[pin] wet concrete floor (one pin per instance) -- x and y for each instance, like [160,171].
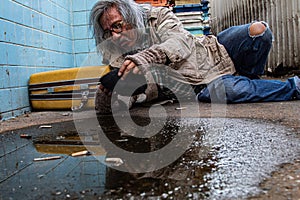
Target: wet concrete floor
[188,158]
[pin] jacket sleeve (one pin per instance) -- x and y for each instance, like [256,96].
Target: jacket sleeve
[173,43]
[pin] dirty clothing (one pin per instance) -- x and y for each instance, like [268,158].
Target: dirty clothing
[189,59]
[192,63]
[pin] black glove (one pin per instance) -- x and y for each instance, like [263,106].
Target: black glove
[135,83]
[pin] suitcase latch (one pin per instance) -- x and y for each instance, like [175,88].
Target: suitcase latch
[84,100]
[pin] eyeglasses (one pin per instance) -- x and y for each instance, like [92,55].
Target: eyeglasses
[117,27]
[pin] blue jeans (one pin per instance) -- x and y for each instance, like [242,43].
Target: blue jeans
[240,89]
[249,54]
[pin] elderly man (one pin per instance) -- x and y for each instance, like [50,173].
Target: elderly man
[150,46]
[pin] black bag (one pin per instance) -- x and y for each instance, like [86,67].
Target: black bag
[133,84]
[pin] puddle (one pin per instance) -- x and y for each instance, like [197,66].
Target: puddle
[226,159]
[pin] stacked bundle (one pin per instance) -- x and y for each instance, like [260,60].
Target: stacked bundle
[194,17]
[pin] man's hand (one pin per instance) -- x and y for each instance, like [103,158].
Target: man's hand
[126,67]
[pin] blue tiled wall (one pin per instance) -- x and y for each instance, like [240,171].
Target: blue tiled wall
[84,44]
[36,36]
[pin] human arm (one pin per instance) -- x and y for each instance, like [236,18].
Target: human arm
[172,44]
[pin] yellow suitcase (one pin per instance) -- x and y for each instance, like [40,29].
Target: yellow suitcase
[65,89]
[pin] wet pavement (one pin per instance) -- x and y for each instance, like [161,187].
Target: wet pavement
[221,152]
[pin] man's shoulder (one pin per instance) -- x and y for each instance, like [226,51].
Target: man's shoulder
[160,9]
[154,11]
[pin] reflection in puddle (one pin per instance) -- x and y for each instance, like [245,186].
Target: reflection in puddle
[60,144]
[227,158]
[67,143]
[58,149]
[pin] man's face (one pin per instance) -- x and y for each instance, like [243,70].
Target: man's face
[116,29]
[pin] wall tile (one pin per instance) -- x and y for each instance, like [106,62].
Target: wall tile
[36,20]
[26,15]
[2,78]
[3,53]
[2,29]
[27,3]
[23,80]
[35,5]
[19,98]
[10,32]
[13,75]
[90,4]
[5,100]
[80,32]
[61,14]
[6,77]
[12,53]
[5,9]
[81,46]
[15,10]
[64,30]
[66,4]
[80,18]
[79,5]
[92,45]
[20,33]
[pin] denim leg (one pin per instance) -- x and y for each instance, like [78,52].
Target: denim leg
[248,53]
[238,89]
[297,83]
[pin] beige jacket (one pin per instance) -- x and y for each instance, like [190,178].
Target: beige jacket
[193,60]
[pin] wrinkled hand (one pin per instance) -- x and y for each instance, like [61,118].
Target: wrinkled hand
[126,67]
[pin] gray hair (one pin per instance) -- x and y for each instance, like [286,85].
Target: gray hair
[132,13]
